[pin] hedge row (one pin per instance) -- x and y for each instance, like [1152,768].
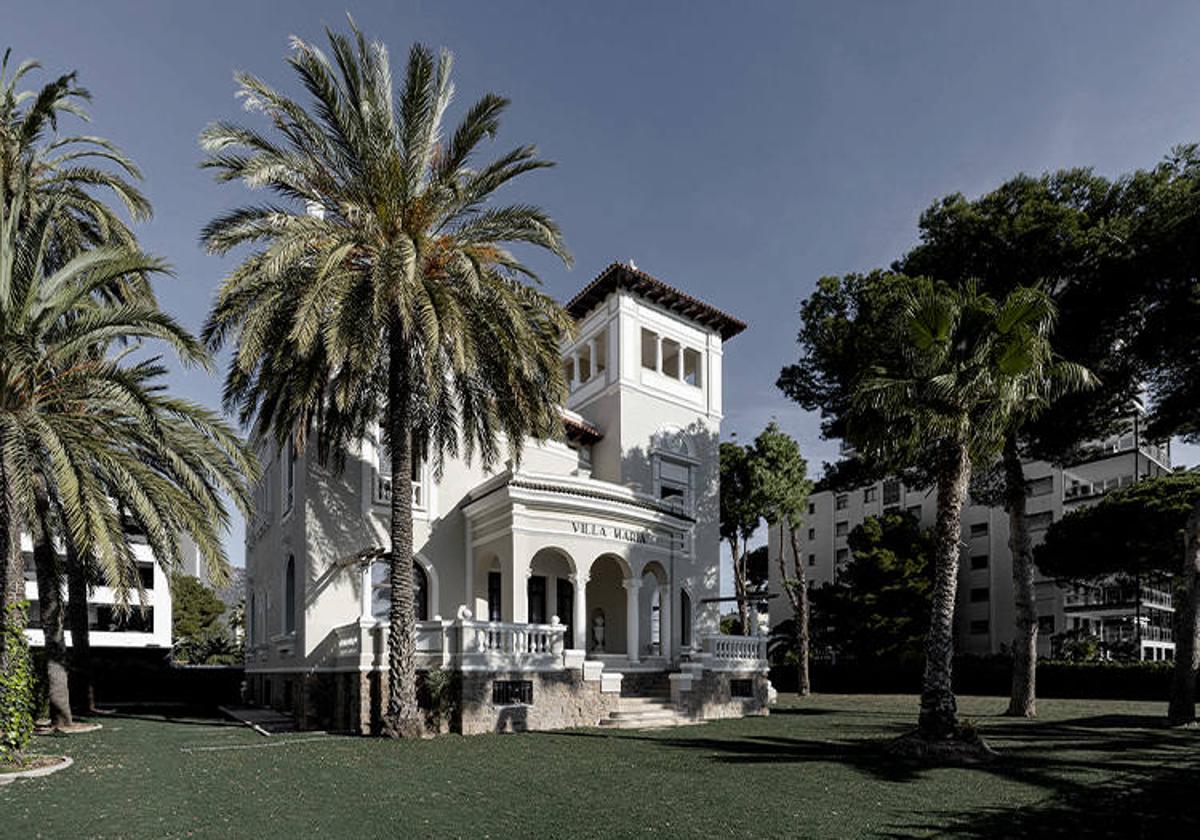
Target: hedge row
[991,675]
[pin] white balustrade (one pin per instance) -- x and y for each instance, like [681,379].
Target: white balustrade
[735,652]
[463,644]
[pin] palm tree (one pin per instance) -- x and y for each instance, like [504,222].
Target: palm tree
[969,366]
[383,285]
[38,165]
[90,440]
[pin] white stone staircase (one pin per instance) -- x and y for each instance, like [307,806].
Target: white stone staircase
[651,711]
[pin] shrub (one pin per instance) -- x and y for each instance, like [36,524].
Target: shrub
[441,696]
[16,688]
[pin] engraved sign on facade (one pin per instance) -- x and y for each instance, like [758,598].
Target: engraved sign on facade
[613,532]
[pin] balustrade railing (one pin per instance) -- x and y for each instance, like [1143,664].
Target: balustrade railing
[739,651]
[463,644]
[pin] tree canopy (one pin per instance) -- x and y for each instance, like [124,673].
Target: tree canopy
[1134,530]
[879,605]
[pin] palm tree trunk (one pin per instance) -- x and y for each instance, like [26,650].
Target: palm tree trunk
[1182,707]
[83,692]
[50,603]
[939,711]
[1023,700]
[403,718]
[798,595]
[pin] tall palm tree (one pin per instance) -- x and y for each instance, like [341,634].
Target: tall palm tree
[968,366]
[74,173]
[89,439]
[383,285]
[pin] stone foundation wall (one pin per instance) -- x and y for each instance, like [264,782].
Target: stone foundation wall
[561,699]
[355,701]
[711,697]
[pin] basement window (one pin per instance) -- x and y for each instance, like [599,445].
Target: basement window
[741,689]
[512,693]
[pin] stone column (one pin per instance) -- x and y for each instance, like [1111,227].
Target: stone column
[579,620]
[631,618]
[664,620]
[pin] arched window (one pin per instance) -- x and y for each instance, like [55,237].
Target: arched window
[685,619]
[289,596]
[381,592]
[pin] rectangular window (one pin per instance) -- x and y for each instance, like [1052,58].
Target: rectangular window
[670,358]
[812,559]
[146,573]
[106,618]
[569,373]
[691,367]
[842,529]
[741,689]
[30,567]
[979,627]
[649,349]
[674,481]
[494,596]
[418,478]
[843,554]
[891,492]
[1040,521]
[512,693]
[1046,624]
[979,595]
[979,529]
[978,562]
[842,502]
[870,494]
[289,476]
[812,534]
[811,508]
[1040,486]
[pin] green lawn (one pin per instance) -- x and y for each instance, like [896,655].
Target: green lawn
[812,769]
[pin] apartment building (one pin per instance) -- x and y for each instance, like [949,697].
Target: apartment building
[1129,615]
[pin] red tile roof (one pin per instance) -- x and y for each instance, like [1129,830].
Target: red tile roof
[581,430]
[622,276]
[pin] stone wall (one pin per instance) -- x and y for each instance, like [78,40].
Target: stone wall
[711,697]
[561,699]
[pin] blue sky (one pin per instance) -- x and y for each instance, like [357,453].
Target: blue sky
[739,151]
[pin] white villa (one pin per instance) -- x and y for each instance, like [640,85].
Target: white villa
[577,588]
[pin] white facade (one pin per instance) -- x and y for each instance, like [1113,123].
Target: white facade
[603,546]
[984,615]
[147,624]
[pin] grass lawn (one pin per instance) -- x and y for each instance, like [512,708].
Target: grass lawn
[812,769]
